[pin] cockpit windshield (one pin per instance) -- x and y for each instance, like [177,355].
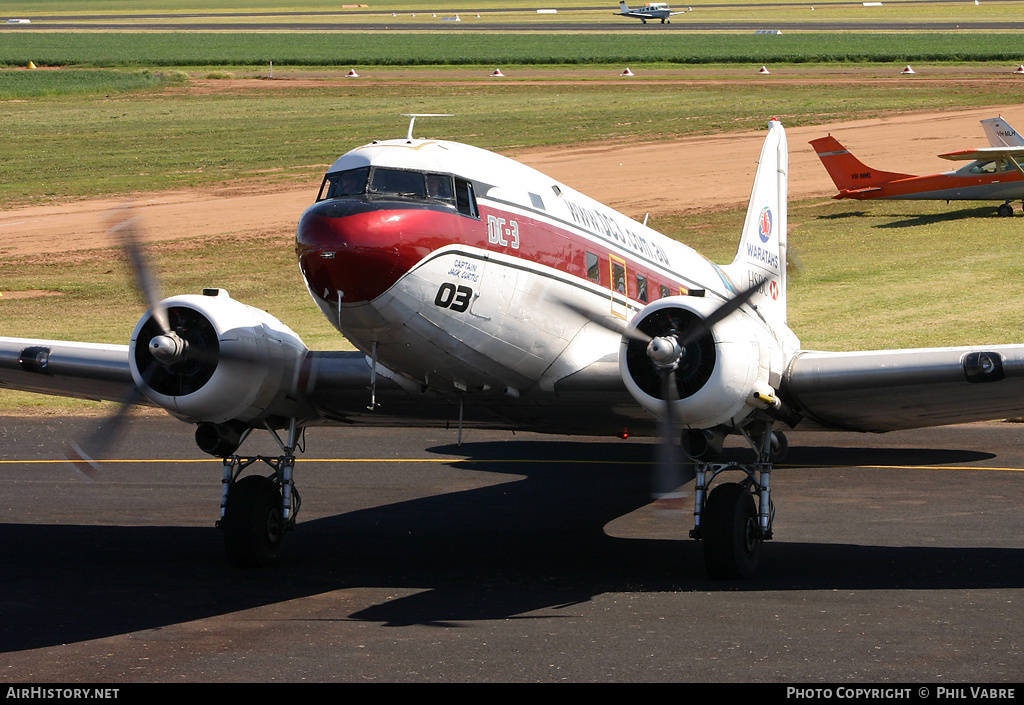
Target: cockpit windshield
[402,183]
[388,182]
[344,183]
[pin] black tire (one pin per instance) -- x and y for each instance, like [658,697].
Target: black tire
[732,546]
[253,525]
[1006,210]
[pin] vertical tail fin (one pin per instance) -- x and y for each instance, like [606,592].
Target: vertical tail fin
[623,6]
[847,172]
[761,256]
[1000,134]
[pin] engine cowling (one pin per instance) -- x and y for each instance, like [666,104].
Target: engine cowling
[229,362]
[717,375]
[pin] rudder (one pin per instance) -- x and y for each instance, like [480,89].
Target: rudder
[761,257]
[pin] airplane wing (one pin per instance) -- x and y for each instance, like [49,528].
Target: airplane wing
[887,390]
[80,370]
[985,153]
[101,372]
[335,387]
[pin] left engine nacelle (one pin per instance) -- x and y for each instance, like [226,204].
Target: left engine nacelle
[717,375]
[231,362]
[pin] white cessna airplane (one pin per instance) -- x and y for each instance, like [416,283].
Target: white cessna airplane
[650,11]
[479,290]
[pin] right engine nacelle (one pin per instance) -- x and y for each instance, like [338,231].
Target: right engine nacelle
[718,373]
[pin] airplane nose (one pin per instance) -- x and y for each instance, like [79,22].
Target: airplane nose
[349,249]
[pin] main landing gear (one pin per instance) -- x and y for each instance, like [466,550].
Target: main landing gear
[735,518]
[1005,210]
[257,511]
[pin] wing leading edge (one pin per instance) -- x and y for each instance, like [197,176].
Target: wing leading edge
[888,390]
[67,369]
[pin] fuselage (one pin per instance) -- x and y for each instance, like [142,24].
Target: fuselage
[453,265]
[980,181]
[651,11]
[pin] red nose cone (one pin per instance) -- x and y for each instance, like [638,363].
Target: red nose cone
[355,255]
[361,247]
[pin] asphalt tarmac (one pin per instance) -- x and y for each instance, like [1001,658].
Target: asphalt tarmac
[513,558]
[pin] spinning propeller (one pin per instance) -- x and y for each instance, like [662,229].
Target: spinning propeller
[670,352]
[180,355]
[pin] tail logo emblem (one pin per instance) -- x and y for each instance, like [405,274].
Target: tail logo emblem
[765,224]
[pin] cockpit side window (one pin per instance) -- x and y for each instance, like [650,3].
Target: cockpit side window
[465,199]
[351,182]
[991,167]
[439,186]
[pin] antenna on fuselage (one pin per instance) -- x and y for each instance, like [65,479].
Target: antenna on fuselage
[413,117]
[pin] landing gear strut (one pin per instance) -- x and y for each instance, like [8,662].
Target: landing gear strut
[728,520]
[257,511]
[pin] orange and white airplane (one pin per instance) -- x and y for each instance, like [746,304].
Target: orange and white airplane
[481,292]
[994,173]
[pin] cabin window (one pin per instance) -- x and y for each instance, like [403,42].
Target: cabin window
[537,201]
[641,288]
[465,199]
[593,268]
[664,291]
[618,275]
[351,182]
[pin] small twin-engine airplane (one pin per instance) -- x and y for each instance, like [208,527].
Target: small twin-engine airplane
[994,173]
[481,292]
[650,11]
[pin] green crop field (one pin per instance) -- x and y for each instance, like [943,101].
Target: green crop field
[176,49]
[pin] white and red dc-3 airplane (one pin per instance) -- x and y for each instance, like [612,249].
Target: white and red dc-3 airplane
[481,292]
[994,173]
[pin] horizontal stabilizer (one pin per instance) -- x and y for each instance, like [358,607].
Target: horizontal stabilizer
[857,191]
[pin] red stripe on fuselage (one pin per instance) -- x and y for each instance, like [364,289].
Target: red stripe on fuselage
[363,254]
[933,183]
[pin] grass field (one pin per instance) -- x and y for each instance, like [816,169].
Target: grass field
[72,146]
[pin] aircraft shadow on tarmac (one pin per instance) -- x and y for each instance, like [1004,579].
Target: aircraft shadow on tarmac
[533,542]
